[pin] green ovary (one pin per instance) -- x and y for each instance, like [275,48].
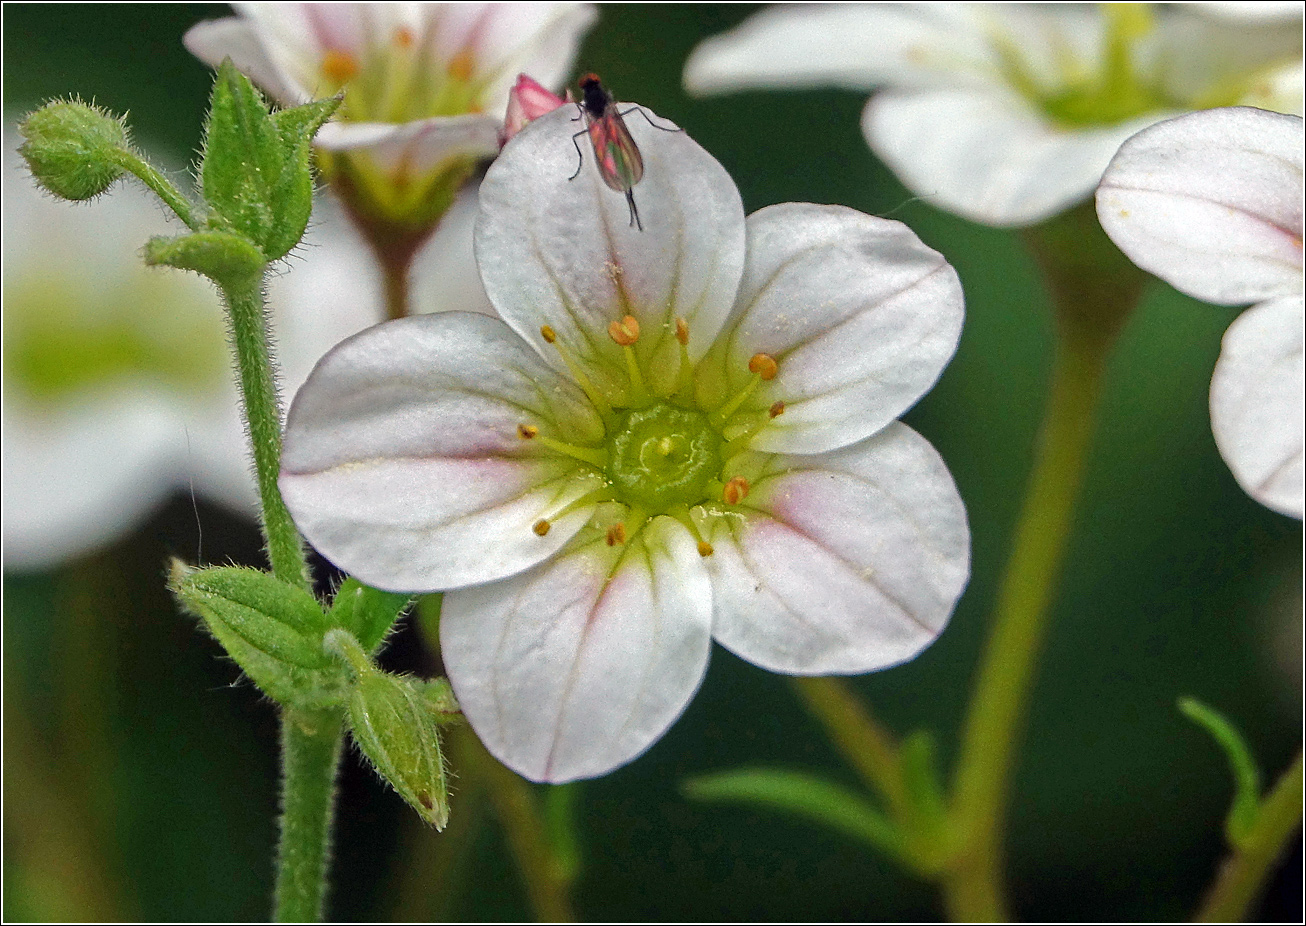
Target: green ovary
[662,456]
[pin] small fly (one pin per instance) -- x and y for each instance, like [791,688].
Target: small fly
[620,164]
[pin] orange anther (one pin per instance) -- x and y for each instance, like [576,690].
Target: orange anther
[735,491]
[624,332]
[527,431]
[541,527]
[763,365]
[776,410]
[339,67]
[616,534]
[548,333]
[704,548]
[404,38]
[682,331]
[462,66]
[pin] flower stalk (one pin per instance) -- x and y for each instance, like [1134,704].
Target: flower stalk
[1243,874]
[1093,289]
[310,746]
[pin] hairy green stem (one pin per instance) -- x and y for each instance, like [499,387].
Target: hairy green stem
[258,389]
[311,745]
[160,185]
[1242,875]
[1093,289]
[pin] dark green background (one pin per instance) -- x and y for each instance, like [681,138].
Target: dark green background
[139,783]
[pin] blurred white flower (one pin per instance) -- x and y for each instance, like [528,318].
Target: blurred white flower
[1006,114]
[426,84]
[673,435]
[117,383]
[1211,203]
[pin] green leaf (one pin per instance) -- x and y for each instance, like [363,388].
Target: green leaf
[806,796]
[368,613]
[1247,777]
[220,256]
[256,172]
[396,728]
[292,194]
[242,157]
[271,629]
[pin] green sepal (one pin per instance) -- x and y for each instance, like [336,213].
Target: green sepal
[367,613]
[808,797]
[72,148]
[1247,777]
[396,727]
[271,629]
[255,172]
[220,256]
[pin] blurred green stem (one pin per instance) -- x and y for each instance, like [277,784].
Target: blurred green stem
[1243,874]
[860,739]
[310,745]
[1093,289]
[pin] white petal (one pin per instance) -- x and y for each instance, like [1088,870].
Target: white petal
[986,155]
[539,39]
[402,462]
[561,252]
[1211,203]
[861,316]
[239,40]
[847,562]
[852,46]
[579,665]
[417,145]
[1256,403]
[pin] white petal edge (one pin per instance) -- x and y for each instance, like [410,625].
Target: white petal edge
[238,39]
[844,562]
[860,315]
[560,252]
[857,47]
[579,665]
[986,156]
[1256,403]
[1211,203]
[403,466]
[415,146]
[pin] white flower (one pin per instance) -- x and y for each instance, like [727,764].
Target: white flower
[673,435]
[426,84]
[1212,204]
[117,378]
[1006,114]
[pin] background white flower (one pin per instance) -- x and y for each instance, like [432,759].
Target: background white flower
[1212,204]
[1006,114]
[673,435]
[117,382]
[424,82]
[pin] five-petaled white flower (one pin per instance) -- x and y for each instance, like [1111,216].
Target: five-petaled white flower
[1212,204]
[673,435]
[426,84]
[1006,114]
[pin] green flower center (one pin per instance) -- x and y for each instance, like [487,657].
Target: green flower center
[56,347]
[661,456]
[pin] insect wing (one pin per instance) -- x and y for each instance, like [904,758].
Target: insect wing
[619,160]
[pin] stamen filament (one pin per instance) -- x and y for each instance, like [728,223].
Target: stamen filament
[596,398]
[722,415]
[594,456]
[638,394]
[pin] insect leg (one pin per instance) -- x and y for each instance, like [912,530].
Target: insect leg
[634,213]
[649,119]
[580,155]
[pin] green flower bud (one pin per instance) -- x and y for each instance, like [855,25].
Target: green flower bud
[396,721]
[73,149]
